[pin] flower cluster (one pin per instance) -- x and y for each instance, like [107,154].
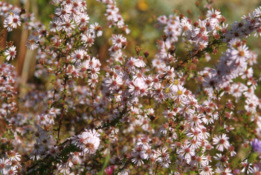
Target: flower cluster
[14,16]
[8,90]
[113,15]
[11,163]
[131,114]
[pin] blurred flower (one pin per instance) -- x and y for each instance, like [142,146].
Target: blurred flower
[256,145]
[109,170]
[142,5]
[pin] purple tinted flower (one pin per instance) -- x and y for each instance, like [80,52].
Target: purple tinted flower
[236,171]
[256,145]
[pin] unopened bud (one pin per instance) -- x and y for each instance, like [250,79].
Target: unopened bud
[138,49]
[146,54]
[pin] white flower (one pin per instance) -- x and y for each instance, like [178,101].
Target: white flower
[10,53]
[186,152]
[226,171]
[13,156]
[221,142]
[137,159]
[213,13]
[78,55]
[87,141]
[163,157]
[118,41]
[12,21]
[32,42]
[207,170]
[96,28]
[251,104]
[113,82]
[248,73]
[12,170]
[5,165]
[138,87]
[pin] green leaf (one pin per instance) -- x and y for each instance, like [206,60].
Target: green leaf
[253,157]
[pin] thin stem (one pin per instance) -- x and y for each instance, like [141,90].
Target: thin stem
[65,79]
[156,169]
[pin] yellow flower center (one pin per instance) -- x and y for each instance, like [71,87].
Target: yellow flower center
[179,92]
[176,82]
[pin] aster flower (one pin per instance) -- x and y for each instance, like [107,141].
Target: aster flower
[96,28]
[186,152]
[223,171]
[114,82]
[5,165]
[78,54]
[137,159]
[256,145]
[213,14]
[163,157]
[87,39]
[206,170]
[119,41]
[12,171]
[32,42]
[10,53]
[248,73]
[12,21]
[222,160]
[247,167]
[251,104]
[221,142]
[87,141]
[139,154]
[138,87]
[240,53]
[13,156]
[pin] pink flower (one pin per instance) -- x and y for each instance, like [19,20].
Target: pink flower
[109,170]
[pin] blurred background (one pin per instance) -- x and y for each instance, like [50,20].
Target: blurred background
[141,17]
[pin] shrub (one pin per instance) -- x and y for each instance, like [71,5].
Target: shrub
[132,114]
